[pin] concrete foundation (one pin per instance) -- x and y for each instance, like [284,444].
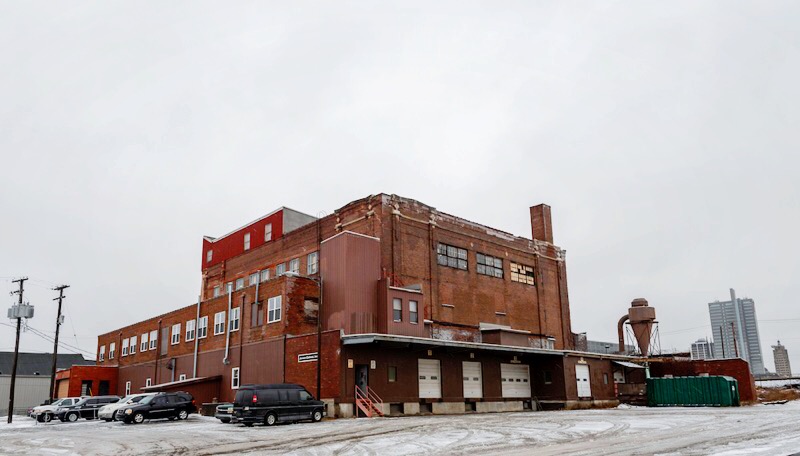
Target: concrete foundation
[579,405]
[330,407]
[344,410]
[410,408]
[505,406]
[447,408]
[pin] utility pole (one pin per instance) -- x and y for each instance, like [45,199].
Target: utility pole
[59,320]
[16,312]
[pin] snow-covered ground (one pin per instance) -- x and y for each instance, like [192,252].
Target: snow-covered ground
[763,430]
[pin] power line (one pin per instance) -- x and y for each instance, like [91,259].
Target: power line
[44,336]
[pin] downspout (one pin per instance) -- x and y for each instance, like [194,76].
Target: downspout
[226,360]
[196,339]
[158,350]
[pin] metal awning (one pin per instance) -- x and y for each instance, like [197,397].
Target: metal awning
[627,364]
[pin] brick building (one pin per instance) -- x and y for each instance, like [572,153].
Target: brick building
[430,311]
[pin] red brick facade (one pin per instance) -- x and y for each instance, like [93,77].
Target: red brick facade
[69,382]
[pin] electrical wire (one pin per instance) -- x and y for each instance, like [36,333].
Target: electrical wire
[43,336]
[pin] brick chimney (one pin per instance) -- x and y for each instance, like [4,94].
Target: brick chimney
[541,225]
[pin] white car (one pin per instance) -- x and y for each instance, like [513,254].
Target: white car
[45,413]
[107,412]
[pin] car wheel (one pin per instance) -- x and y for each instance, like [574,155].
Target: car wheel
[46,418]
[138,418]
[72,417]
[317,416]
[183,414]
[270,419]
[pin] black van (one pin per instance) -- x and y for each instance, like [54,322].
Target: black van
[270,404]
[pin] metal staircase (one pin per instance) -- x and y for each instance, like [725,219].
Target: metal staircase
[369,402]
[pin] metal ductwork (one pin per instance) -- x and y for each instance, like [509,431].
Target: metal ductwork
[641,318]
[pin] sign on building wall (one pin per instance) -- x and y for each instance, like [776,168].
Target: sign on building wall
[307,357]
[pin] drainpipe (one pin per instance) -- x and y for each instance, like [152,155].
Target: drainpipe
[227,360]
[196,339]
[158,349]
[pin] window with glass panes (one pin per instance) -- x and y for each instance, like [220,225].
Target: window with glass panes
[233,319]
[189,330]
[176,333]
[397,309]
[253,278]
[413,314]
[240,283]
[294,265]
[274,309]
[522,274]
[489,265]
[451,256]
[143,346]
[153,339]
[219,323]
[265,275]
[202,327]
[132,350]
[280,269]
[313,263]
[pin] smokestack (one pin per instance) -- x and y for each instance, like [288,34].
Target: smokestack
[541,225]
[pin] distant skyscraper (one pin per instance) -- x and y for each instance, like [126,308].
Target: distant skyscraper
[781,356]
[702,349]
[736,320]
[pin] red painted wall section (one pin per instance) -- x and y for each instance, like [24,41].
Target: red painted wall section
[232,244]
[96,374]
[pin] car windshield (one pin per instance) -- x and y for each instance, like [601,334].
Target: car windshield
[136,399]
[147,400]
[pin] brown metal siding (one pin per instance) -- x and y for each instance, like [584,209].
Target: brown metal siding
[350,268]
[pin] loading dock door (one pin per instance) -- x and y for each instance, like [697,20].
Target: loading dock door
[473,380]
[430,379]
[515,379]
[584,383]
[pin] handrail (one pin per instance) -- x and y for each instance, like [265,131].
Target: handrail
[372,395]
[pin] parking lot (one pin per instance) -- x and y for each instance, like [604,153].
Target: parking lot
[769,430]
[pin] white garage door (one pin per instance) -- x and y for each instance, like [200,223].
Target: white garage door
[473,380]
[516,380]
[582,376]
[430,379]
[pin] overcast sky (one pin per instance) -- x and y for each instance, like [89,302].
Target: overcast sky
[663,134]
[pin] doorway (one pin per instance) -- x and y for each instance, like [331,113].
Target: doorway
[362,382]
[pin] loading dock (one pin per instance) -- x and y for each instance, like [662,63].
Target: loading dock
[515,380]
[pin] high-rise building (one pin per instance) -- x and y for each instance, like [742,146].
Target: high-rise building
[735,330]
[702,349]
[781,356]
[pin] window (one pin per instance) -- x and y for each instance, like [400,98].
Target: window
[548,377]
[132,350]
[240,283]
[128,385]
[233,318]
[489,265]
[176,333]
[265,275]
[454,257]
[228,287]
[209,255]
[148,382]
[217,291]
[294,265]
[124,347]
[182,377]
[190,330]
[522,274]
[605,379]
[413,315]
[306,396]
[153,339]
[274,309]
[219,323]
[392,373]
[247,241]
[202,327]
[143,347]
[111,349]
[102,355]
[267,232]
[280,269]
[235,378]
[397,307]
[313,263]
[253,278]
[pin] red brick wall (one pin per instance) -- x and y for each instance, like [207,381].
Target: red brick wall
[77,374]
[233,244]
[736,368]
[306,373]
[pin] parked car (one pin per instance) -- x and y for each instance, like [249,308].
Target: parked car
[84,408]
[45,413]
[270,404]
[108,412]
[224,412]
[161,405]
